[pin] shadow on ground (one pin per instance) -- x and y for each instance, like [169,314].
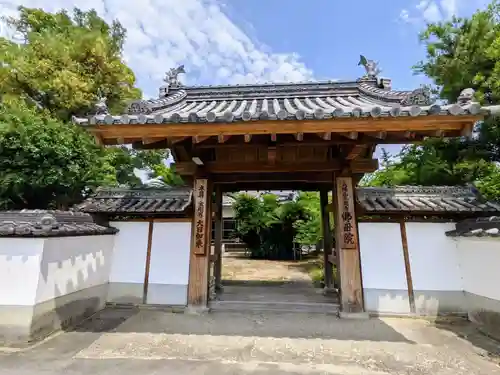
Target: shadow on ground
[471,333]
[271,325]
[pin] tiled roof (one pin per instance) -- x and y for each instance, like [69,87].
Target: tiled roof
[481,227]
[366,97]
[423,199]
[42,223]
[282,196]
[138,201]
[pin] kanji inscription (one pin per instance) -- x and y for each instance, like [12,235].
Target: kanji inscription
[347,219]
[200,214]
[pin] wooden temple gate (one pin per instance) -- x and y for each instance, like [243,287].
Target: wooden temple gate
[317,136]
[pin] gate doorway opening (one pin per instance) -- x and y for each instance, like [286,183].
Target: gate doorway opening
[273,254]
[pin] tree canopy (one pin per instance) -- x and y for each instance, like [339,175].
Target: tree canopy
[67,61]
[461,53]
[270,227]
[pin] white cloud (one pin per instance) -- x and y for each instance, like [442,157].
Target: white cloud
[428,11]
[166,33]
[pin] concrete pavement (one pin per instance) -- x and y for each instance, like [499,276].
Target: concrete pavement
[131,342]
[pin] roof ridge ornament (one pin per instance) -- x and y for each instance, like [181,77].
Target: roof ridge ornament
[172,76]
[466,96]
[371,67]
[421,96]
[100,106]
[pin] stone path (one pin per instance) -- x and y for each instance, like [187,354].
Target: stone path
[128,342]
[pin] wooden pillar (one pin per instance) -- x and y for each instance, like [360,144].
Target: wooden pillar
[347,243]
[200,245]
[406,256]
[218,237]
[327,238]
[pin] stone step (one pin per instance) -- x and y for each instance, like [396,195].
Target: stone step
[288,307]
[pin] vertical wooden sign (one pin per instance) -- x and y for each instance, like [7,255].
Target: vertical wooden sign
[347,217]
[200,214]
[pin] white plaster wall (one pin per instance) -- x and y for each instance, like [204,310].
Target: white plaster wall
[170,253]
[71,264]
[20,260]
[383,268]
[129,259]
[382,259]
[433,257]
[480,263]
[227,212]
[169,267]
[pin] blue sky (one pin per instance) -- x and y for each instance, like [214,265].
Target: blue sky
[248,41]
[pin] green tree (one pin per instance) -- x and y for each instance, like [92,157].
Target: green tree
[309,229]
[45,163]
[461,53]
[268,227]
[66,62]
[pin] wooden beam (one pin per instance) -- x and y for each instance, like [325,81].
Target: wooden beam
[148,141]
[327,238]
[357,166]
[326,136]
[356,151]
[406,256]
[218,237]
[351,135]
[272,185]
[222,138]
[348,247]
[285,177]
[395,124]
[439,133]
[148,263]
[199,139]
[248,138]
[187,168]
[174,140]
[199,257]
[467,130]
[409,135]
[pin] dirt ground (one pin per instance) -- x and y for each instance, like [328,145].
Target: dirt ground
[147,342]
[237,266]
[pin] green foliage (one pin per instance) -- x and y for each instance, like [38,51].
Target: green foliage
[461,53]
[167,173]
[309,230]
[268,227]
[437,162]
[66,62]
[45,163]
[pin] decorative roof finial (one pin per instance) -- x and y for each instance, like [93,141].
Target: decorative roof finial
[100,107]
[172,76]
[466,96]
[371,67]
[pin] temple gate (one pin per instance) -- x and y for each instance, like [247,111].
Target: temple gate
[314,136]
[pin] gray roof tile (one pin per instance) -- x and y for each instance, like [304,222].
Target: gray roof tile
[298,101]
[423,199]
[480,227]
[137,201]
[43,223]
